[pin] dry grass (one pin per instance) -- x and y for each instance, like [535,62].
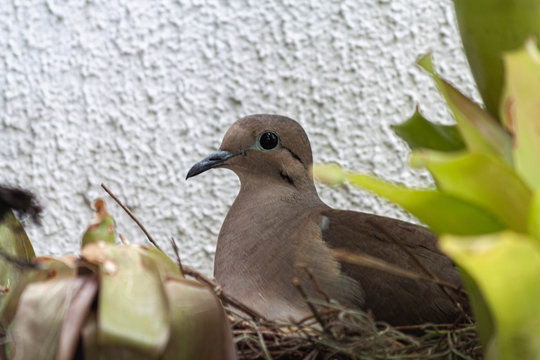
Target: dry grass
[350,334]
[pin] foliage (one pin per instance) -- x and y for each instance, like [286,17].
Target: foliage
[113,302]
[486,205]
[490,28]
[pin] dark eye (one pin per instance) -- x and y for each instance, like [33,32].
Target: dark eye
[268,140]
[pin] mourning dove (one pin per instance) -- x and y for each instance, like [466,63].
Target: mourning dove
[278,227]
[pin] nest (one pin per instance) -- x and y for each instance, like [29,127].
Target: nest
[337,332]
[350,334]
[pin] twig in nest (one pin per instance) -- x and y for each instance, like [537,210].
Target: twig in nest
[221,294]
[315,281]
[175,249]
[130,213]
[424,269]
[316,314]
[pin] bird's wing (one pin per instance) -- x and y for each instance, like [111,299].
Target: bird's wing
[393,298]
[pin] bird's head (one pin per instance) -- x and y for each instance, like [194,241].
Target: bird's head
[269,148]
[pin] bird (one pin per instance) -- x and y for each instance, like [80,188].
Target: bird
[279,234]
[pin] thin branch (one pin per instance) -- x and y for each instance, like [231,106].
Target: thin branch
[221,294]
[316,314]
[175,249]
[315,282]
[130,213]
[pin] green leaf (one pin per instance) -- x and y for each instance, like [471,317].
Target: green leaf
[13,239]
[481,180]
[443,213]
[15,243]
[480,131]
[488,28]
[533,217]
[506,268]
[199,328]
[420,133]
[94,351]
[521,109]
[132,310]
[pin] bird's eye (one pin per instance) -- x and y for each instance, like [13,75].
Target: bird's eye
[268,140]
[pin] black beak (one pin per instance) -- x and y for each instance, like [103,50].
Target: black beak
[213,160]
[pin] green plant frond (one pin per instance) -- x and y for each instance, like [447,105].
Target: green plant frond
[442,212]
[481,133]
[520,109]
[420,133]
[482,180]
[510,291]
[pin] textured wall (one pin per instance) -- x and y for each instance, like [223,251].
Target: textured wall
[132,93]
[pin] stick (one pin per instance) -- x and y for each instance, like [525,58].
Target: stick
[221,294]
[175,249]
[315,282]
[316,314]
[126,209]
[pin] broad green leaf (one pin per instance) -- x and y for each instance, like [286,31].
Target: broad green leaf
[40,316]
[420,133]
[488,28]
[521,109]
[93,350]
[132,308]
[534,216]
[164,263]
[481,180]
[481,311]
[506,268]
[480,131]
[199,328]
[13,242]
[443,213]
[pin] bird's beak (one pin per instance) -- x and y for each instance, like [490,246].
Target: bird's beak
[213,160]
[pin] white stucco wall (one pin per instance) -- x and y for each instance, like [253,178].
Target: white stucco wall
[132,93]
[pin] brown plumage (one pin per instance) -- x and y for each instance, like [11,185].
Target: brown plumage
[277,226]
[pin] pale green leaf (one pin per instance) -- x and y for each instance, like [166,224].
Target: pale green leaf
[199,328]
[533,217]
[506,268]
[443,213]
[521,109]
[481,180]
[133,309]
[480,131]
